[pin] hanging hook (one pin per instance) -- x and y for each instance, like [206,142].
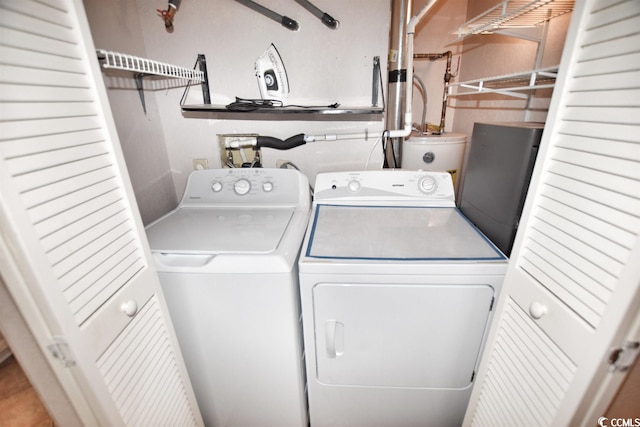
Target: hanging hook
[169,14]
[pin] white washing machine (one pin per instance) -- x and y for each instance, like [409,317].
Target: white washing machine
[397,291]
[227,259]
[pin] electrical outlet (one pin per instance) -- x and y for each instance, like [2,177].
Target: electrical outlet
[200,164]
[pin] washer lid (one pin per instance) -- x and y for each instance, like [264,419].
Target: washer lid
[397,233]
[220,230]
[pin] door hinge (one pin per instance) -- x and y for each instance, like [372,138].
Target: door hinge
[621,358]
[60,350]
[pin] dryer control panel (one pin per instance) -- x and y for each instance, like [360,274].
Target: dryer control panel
[387,185]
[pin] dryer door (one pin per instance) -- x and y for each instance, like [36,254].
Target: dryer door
[394,335]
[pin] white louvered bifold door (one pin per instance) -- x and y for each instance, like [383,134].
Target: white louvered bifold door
[572,287]
[69,220]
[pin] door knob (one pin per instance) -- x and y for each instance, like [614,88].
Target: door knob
[130,308]
[537,310]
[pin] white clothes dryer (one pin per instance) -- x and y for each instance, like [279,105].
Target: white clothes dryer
[227,260]
[397,291]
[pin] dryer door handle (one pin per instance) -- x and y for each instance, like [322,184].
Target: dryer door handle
[334,338]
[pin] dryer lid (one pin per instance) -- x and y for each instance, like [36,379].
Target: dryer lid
[220,230]
[397,233]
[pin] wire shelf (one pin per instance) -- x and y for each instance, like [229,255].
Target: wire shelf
[515,14]
[508,84]
[121,61]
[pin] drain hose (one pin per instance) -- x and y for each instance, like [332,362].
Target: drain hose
[278,144]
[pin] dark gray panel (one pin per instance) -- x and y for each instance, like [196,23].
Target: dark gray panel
[498,170]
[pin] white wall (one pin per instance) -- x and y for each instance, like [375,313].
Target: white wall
[494,55]
[480,56]
[115,27]
[324,66]
[434,35]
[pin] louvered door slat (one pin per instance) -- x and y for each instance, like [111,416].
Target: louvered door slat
[602,131]
[61,173]
[83,211]
[616,149]
[47,22]
[624,98]
[20,111]
[20,47]
[597,179]
[605,196]
[613,81]
[597,280]
[611,165]
[590,256]
[58,190]
[39,144]
[598,224]
[42,59]
[70,199]
[50,159]
[64,241]
[82,283]
[73,243]
[610,115]
[14,92]
[616,29]
[610,12]
[609,64]
[591,294]
[106,235]
[14,130]
[62,78]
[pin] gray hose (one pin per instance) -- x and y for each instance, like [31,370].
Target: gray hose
[424,106]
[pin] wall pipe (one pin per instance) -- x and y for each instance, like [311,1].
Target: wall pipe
[397,78]
[411,29]
[447,78]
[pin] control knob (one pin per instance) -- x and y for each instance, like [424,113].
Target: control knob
[428,185]
[216,186]
[242,187]
[354,185]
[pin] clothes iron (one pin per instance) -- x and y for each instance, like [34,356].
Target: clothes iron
[272,77]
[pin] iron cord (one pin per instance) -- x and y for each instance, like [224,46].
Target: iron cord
[244,104]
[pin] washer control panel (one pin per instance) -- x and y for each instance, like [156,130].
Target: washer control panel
[245,185]
[391,185]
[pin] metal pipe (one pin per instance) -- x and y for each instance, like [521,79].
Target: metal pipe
[285,21]
[326,19]
[397,78]
[447,78]
[424,101]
